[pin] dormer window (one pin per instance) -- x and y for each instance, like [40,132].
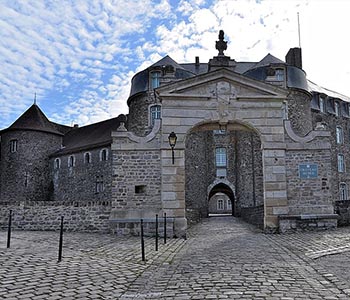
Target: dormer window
[13,146]
[155,79]
[279,74]
[155,113]
[57,163]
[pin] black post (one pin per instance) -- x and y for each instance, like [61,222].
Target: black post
[61,241]
[142,243]
[156,232]
[164,228]
[172,154]
[9,230]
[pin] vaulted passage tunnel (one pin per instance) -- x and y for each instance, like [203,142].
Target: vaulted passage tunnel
[224,173]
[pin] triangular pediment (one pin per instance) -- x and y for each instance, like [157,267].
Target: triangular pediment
[222,81]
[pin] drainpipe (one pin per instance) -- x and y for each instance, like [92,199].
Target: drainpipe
[253,168]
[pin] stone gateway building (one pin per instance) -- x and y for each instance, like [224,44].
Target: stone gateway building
[257,140]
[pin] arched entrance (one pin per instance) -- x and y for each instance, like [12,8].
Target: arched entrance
[221,199]
[223,172]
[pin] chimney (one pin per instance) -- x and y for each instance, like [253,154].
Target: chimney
[76,126]
[293,57]
[197,61]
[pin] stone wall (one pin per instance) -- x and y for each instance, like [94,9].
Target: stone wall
[331,121]
[136,182]
[25,174]
[253,215]
[79,182]
[309,196]
[299,112]
[342,208]
[90,216]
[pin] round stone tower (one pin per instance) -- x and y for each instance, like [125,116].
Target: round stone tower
[25,149]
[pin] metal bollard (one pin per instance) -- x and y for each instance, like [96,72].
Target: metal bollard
[156,232]
[142,243]
[60,242]
[9,230]
[164,228]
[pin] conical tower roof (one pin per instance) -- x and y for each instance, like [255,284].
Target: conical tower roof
[34,119]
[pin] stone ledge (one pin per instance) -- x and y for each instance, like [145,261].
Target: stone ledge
[309,217]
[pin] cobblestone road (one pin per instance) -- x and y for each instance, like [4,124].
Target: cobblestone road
[223,258]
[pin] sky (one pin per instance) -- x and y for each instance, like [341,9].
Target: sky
[79,56]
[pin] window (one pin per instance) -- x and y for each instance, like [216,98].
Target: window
[339,135]
[343,191]
[57,163]
[220,157]
[103,155]
[322,104]
[341,163]
[337,108]
[87,158]
[155,79]
[219,131]
[220,204]
[279,74]
[13,146]
[140,189]
[99,184]
[155,112]
[71,161]
[229,204]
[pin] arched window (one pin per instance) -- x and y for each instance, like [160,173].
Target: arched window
[155,79]
[87,158]
[155,113]
[71,161]
[103,155]
[57,163]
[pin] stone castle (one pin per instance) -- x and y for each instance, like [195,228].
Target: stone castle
[257,140]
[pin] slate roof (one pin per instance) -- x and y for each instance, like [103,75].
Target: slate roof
[90,136]
[268,60]
[34,119]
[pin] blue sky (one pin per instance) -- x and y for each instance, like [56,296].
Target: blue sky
[79,56]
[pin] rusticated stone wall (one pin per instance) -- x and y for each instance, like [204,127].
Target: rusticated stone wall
[90,216]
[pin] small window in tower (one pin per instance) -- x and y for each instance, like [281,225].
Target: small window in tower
[322,104]
[103,155]
[337,108]
[343,191]
[339,135]
[155,79]
[13,146]
[341,163]
[155,112]
[57,163]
